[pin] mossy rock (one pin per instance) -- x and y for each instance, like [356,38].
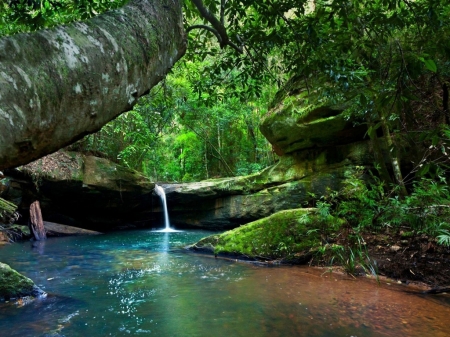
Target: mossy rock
[7,210]
[14,284]
[300,119]
[75,170]
[87,191]
[313,163]
[290,235]
[102,174]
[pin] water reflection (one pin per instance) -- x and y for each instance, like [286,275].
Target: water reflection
[39,246]
[141,283]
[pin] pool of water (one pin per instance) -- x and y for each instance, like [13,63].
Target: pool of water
[140,283]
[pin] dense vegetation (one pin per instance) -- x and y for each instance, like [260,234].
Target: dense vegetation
[177,134]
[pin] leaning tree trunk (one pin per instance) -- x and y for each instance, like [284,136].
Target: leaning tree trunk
[36,222]
[393,155]
[60,84]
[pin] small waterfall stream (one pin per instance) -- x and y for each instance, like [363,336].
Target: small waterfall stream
[160,191]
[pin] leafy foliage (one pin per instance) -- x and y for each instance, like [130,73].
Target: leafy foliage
[369,206]
[354,259]
[30,15]
[173,134]
[386,61]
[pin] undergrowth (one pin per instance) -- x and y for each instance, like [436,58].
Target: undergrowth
[372,207]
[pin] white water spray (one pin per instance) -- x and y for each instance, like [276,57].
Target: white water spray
[160,191]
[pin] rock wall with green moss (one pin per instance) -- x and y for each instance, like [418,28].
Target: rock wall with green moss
[300,119]
[230,202]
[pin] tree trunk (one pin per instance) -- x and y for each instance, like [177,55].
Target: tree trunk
[445,103]
[36,222]
[206,160]
[393,156]
[57,85]
[379,158]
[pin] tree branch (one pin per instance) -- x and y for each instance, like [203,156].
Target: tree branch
[208,28]
[222,12]
[216,24]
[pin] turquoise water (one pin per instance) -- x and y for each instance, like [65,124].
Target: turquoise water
[141,283]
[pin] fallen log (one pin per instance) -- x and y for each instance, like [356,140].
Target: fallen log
[56,229]
[437,291]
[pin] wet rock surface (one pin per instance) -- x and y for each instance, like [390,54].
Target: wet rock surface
[15,285]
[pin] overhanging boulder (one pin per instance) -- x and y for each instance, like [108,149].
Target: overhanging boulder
[299,119]
[87,191]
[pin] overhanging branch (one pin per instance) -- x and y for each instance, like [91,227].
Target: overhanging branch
[218,27]
[208,28]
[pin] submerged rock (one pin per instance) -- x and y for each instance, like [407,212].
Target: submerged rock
[15,285]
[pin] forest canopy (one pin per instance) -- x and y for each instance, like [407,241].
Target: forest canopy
[387,61]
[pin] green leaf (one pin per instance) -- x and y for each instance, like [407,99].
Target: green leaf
[424,170]
[363,100]
[430,65]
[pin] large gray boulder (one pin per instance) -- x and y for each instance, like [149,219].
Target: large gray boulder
[59,84]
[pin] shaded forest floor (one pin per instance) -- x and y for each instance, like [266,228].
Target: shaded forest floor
[410,260]
[414,259]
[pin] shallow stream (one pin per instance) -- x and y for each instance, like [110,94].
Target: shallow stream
[140,283]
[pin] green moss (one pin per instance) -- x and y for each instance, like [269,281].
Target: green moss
[407,234]
[321,159]
[281,235]
[7,210]
[14,284]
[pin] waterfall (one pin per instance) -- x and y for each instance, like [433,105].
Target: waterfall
[160,191]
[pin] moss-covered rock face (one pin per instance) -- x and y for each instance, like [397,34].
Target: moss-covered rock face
[230,202]
[300,120]
[292,235]
[14,285]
